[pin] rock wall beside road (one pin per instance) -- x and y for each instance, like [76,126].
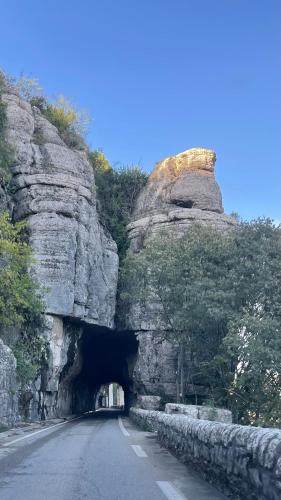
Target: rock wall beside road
[75,258]
[241,460]
[54,191]
[8,386]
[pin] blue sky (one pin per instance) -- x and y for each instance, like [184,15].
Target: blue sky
[162,76]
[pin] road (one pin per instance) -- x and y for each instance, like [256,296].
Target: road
[100,456]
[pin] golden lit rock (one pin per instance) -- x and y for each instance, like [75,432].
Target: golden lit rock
[201,160]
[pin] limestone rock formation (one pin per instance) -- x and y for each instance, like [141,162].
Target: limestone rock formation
[8,386]
[76,260]
[181,190]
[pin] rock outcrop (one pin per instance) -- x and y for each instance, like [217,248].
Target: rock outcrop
[180,191]
[8,386]
[76,260]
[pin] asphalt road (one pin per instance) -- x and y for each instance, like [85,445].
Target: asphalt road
[96,457]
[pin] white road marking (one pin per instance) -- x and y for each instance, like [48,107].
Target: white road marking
[38,432]
[170,491]
[139,451]
[121,425]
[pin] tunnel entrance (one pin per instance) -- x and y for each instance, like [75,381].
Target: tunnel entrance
[110,396]
[106,356]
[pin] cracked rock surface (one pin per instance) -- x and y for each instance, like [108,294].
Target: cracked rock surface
[180,191]
[76,260]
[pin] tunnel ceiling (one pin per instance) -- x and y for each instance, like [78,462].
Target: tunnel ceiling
[105,356]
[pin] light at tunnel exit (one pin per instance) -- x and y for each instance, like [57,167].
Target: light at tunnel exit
[110,396]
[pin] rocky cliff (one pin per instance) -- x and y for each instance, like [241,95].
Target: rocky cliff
[8,386]
[54,190]
[180,191]
[76,260]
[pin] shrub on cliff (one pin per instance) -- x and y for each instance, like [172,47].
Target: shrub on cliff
[71,123]
[20,303]
[18,292]
[117,190]
[219,297]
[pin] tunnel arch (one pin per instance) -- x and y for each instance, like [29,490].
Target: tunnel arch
[104,356]
[110,395]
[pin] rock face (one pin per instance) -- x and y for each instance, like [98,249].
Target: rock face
[76,261]
[180,191]
[8,386]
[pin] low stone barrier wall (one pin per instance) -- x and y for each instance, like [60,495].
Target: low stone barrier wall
[149,402]
[241,460]
[201,412]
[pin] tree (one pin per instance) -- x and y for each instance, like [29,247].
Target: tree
[186,280]
[20,301]
[217,295]
[253,337]
[19,294]
[117,190]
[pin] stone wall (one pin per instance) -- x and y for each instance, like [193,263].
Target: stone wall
[243,461]
[200,412]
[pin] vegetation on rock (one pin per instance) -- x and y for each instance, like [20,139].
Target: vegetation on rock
[70,122]
[18,292]
[218,293]
[20,303]
[117,190]
[30,350]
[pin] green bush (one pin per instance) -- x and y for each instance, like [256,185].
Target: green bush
[30,350]
[71,123]
[60,117]
[20,303]
[117,190]
[19,294]
[219,295]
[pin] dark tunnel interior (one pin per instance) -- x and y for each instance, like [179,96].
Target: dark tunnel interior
[106,356]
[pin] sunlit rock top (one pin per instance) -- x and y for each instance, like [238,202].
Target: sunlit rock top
[181,190]
[200,160]
[184,180]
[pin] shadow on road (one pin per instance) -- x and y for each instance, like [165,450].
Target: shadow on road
[103,414]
